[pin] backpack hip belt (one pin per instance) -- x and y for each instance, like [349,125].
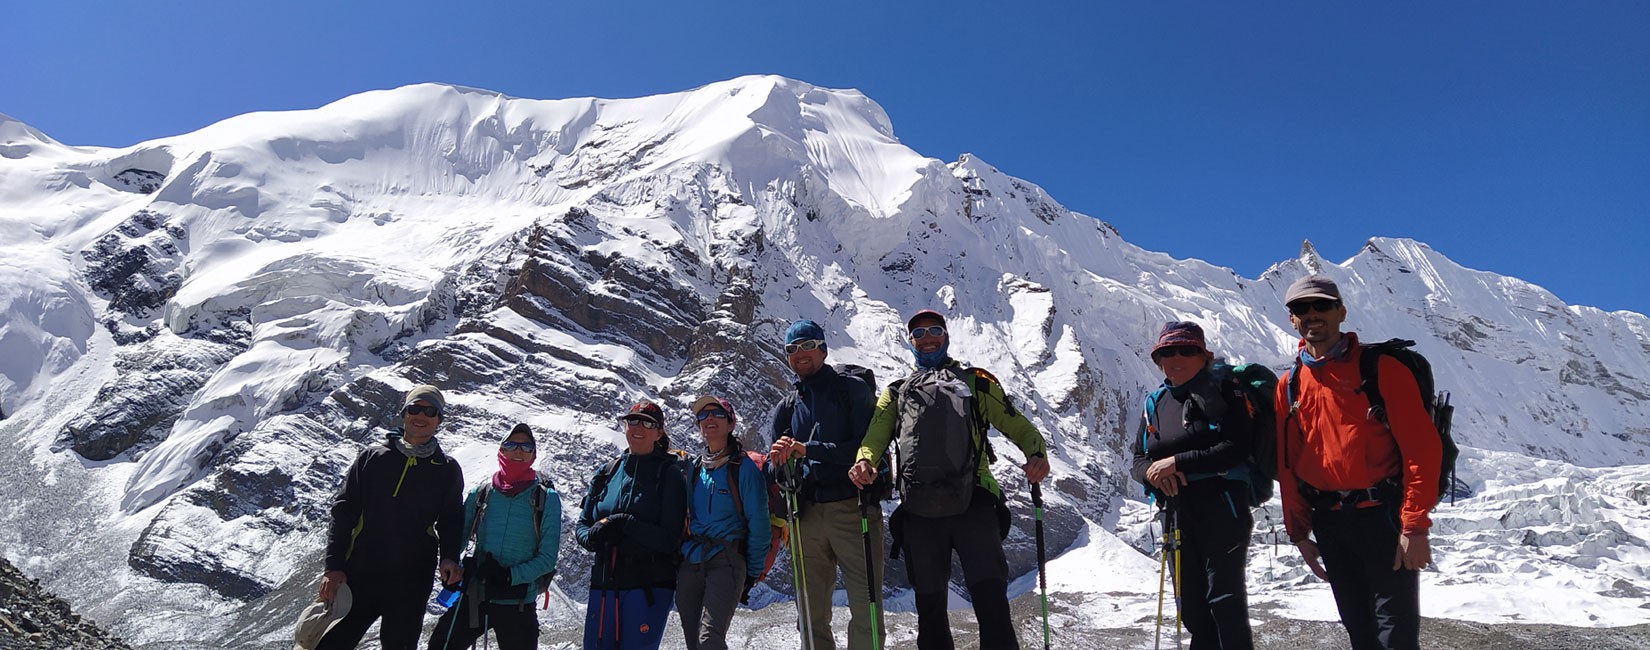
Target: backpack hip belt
[1386,491]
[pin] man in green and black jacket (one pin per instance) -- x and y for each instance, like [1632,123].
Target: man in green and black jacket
[400,509]
[937,418]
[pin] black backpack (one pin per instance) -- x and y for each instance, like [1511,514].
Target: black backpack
[938,469]
[1258,386]
[1437,404]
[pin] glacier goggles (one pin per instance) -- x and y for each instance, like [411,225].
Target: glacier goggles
[710,413]
[644,422]
[517,446]
[802,346]
[415,409]
[931,330]
[1299,308]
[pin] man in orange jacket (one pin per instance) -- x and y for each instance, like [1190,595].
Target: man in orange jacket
[1361,487]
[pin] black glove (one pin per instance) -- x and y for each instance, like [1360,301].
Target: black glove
[607,531]
[493,573]
[745,596]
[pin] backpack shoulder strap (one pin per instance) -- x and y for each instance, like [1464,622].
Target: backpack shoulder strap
[481,511]
[979,380]
[738,459]
[541,494]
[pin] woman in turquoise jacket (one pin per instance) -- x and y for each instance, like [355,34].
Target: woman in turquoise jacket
[515,518]
[726,544]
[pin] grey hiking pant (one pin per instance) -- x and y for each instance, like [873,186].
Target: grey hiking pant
[706,595]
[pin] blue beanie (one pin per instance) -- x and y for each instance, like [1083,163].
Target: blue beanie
[804,330]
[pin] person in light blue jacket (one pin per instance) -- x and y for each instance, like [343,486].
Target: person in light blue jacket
[515,518]
[728,534]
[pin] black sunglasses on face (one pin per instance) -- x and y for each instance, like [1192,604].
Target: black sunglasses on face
[518,446]
[710,413]
[802,346]
[1319,305]
[1177,351]
[414,409]
[646,424]
[931,330]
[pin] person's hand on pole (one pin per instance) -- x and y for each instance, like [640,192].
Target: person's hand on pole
[862,474]
[1036,469]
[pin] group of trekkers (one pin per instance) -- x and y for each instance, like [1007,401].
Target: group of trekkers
[696,533]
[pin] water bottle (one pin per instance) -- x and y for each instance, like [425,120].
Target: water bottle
[449,595]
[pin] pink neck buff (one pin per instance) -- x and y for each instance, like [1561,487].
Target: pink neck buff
[512,477]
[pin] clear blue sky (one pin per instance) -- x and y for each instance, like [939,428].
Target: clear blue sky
[1513,136]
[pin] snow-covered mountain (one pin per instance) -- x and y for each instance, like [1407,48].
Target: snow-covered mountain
[200,332]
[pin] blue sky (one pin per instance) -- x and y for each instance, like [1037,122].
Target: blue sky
[1513,136]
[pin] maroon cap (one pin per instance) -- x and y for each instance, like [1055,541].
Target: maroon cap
[645,410]
[1180,333]
[910,323]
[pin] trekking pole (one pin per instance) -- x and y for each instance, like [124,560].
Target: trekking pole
[1175,579]
[1042,561]
[871,585]
[804,623]
[1162,569]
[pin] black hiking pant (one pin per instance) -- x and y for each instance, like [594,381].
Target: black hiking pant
[1215,524]
[398,601]
[976,537]
[515,626]
[1380,607]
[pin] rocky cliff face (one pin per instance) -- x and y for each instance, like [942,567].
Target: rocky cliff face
[33,619]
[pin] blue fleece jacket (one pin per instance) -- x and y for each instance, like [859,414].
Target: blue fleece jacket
[506,532]
[711,515]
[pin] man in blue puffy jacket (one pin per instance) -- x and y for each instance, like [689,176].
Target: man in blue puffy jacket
[515,518]
[728,532]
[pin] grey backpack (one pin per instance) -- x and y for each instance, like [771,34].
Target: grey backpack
[935,441]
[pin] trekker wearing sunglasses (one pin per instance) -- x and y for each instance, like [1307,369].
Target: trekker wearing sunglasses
[937,419]
[514,516]
[815,432]
[632,519]
[728,534]
[1194,435]
[399,510]
[1356,491]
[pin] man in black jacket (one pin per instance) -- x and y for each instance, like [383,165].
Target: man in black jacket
[821,428]
[400,509]
[1195,431]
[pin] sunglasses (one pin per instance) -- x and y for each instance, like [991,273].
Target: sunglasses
[414,409]
[1178,351]
[710,413]
[802,346]
[931,330]
[1320,305]
[645,424]
[517,446]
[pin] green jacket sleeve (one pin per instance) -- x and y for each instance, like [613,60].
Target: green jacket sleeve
[881,429]
[1001,414]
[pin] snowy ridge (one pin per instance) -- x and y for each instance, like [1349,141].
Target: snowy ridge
[203,330]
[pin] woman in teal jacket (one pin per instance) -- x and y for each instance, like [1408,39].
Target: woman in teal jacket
[726,547]
[515,518]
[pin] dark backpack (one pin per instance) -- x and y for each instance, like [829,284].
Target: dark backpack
[1437,404]
[938,469]
[1258,385]
[540,494]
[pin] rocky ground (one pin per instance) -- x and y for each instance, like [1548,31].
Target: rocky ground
[32,618]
